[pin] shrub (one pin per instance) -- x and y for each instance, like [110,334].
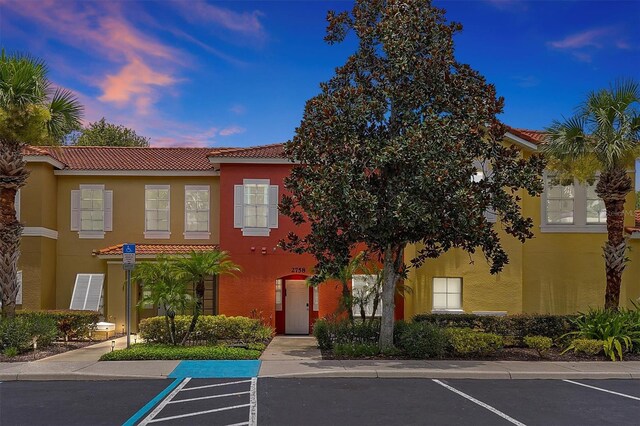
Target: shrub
[209,329]
[18,333]
[10,352]
[513,328]
[618,330]
[423,340]
[147,351]
[329,333]
[356,350]
[71,324]
[586,346]
[541,344]
[466,342]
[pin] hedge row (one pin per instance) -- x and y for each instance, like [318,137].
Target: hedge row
[209,329]
[514,328]
[71,324]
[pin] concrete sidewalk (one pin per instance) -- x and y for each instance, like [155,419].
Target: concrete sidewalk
[299,357]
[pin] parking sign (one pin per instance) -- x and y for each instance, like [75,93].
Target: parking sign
[128,256]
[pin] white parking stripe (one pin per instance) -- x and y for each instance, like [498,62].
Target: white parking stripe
[177,401]
[603,390]
[216,385]
[198,413]
[480,403]
[164,402]
[253,411]
[239,424]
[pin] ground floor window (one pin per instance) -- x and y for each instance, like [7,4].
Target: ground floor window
[210,299]
[87,292]
[365,292]
[447,293]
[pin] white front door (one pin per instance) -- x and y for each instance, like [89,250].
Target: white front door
[296,307]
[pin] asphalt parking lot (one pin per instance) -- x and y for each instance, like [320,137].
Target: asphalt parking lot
[321,401]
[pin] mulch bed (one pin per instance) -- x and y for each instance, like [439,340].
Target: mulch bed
[506,354]
[55,349]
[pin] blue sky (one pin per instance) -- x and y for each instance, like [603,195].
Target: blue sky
[238,73]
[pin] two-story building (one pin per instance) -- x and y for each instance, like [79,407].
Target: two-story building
[81,204]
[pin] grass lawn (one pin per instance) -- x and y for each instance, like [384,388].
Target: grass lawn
[150,351]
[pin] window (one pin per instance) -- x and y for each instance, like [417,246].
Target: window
[87,292]
[278,295]
[197,206]
[490,214]
[596,212]
[316,299]
[572,207]
[91,211]
[447,294]
[560,201]
[157,206]
[363,288]
[256,207]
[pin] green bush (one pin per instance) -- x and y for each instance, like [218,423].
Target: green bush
[356,350]
[541,344]
[329,333]
[10,352]
[147,351]
[209,329]
[71,324]
[586,346]
[514,328]
[468,342]
[618,330]
[18,333]
[423,340]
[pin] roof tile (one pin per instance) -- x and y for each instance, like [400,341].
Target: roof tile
[155,249]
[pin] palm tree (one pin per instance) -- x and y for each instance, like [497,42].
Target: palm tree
[195,268]
[344,275]
[165,289]
[603,136]
[31,112]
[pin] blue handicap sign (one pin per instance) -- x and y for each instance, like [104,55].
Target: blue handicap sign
[129,248]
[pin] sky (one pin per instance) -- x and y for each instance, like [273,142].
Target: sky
[238,73]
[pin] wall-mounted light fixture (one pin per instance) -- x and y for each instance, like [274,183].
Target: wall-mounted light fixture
[264,250]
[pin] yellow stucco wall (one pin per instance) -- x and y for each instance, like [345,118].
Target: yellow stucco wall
[75,254]
[551,273]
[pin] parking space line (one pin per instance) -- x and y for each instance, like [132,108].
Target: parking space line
[177,401]
[162,419]
[253,410]
[239,424]
[164,402]
[480,403]
[603,390]
[215,385]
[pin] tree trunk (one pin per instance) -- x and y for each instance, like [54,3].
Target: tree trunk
[196,313]
[13,174]
[613,187]
[347,300]
[392,263]
[166,323]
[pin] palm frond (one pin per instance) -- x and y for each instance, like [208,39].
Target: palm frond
[66,114]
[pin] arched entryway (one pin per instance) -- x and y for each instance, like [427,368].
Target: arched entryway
[296,305]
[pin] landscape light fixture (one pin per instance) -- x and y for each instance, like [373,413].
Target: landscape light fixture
[113,345]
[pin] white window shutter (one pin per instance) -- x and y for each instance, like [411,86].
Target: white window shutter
[19,295]
[80,288]
[273,206]
[108,210]
[75,210]
[238,206]
[491,215]
[94,292]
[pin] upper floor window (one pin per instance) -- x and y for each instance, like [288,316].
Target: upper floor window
[157,207]
[572,206]
[256,207]
[91,211]
[197,211]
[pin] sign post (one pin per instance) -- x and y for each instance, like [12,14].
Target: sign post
[128,264]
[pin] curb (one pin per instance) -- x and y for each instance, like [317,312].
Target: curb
[71,376]
[480,375]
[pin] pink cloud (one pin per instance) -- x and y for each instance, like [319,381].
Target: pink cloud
[238,109]
[232,130]
[245,22]
[590,38]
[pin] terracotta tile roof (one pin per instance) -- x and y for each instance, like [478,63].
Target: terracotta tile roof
[125,158]
[34,150]
[637,217]
[155,249]
[264,151]
[533,136]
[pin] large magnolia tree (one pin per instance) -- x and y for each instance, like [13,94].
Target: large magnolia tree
[604,137]
[31,112]
[386,152]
